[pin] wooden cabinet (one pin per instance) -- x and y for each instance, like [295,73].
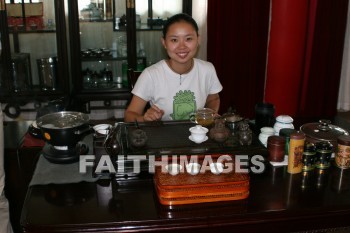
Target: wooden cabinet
[105,43]
[34,36]
[119,34]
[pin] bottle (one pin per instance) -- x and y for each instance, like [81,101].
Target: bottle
[140,66]
[296,150]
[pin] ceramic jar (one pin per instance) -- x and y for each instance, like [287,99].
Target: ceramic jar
[282,122]
[266,132]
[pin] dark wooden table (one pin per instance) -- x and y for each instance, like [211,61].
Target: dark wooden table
[278,202]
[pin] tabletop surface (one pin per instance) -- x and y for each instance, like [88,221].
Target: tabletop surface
[304,201]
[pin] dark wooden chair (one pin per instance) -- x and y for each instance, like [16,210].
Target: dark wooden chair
[133,75]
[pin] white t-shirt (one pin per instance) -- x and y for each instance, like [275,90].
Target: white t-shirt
[178,95]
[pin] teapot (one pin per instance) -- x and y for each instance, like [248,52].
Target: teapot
[138,138]
[219,132]
[245,135]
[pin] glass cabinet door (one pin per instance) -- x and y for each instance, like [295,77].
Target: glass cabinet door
[34,47]
[105,43]
[36,56]
[102,49]
[150,17]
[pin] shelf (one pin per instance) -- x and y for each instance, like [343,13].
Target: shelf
[103,58]
[106,58]
[144,27]
[33,31]
[95,20]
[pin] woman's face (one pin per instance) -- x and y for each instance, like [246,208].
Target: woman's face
[181,42]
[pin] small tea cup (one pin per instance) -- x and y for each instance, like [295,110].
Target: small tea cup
[173,168]
[102,128]
[198,133]
[193,168]
[216,168]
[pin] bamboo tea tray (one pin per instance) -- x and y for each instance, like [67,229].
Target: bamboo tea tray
[185,188]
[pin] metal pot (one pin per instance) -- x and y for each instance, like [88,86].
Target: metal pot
[63,128]
[323,131]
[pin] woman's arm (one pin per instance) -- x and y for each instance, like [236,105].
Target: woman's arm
[213,102]
[136,108]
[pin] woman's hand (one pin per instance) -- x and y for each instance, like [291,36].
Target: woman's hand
[153,114]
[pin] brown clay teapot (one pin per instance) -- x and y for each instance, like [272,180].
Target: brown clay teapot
[138,138]
[219,132]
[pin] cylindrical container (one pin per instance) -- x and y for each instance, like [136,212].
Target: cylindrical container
[264,115]
[295,155]
[286,132]
[342,156]
[47,68]
[309,156]
[20,71]
[324,152]
[275,146]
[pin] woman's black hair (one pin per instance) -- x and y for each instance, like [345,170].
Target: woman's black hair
[178,18]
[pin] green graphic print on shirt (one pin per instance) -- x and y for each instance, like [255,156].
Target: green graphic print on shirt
[184,104]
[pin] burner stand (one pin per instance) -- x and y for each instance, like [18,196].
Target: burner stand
[62,155]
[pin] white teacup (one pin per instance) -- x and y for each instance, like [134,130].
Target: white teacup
[198,133]
[102,128]
[173,168]
[193,168]
[216,168]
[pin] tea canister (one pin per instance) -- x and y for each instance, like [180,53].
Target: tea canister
[342,156]
[282,122]
[324,152]
[296,150]
[286,132]
[275,146]
[309,156]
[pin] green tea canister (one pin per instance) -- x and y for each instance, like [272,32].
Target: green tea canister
[309,155]
[324,152]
